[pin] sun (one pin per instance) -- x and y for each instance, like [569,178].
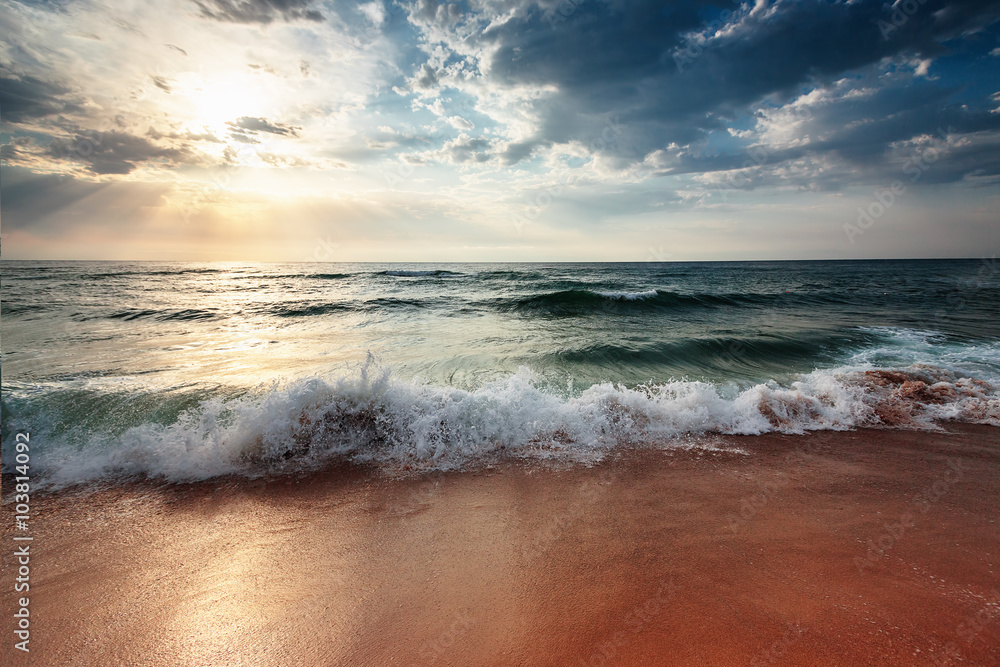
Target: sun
[212,103]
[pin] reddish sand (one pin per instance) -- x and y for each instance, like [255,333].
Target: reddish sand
[653,558]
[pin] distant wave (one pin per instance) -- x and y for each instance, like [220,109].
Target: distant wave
[180,272]
[512,276]
[309,310]
[328,276]
[411,273]
[175,272]
[397,425]
[580,301]
[285,276]
[164,315]
[8,308]
[724,354]
[290,309]
[392,303]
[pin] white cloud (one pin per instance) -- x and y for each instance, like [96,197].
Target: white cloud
[374,12]
[460,123]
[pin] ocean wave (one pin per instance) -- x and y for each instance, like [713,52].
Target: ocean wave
[286,276]
[581,301]
[512,276]
[630,296]
[411,273]
[374,418]
[309,309]
[312,309]
[163,272]
[184,314]
[391,303]
[328,276]
[725,355]
[8,308]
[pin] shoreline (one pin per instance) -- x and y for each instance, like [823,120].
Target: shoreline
[833,547]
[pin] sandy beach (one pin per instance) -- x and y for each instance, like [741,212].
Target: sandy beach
[875,547]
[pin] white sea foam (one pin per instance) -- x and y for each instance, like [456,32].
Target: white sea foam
[375,418]
[629,296]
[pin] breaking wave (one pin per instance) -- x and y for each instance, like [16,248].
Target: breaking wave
[374,418]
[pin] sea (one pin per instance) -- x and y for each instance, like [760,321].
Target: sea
[181,372]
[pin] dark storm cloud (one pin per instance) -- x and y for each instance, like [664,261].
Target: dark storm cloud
[115,152]
[861,131]
[25,98]
[258,11]
[670,78]
[629,50]
[977,160]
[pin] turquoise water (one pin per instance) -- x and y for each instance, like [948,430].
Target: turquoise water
[188,370]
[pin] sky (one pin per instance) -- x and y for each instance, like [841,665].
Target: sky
[499,130]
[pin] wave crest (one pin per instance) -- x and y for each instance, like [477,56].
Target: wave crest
[397,425]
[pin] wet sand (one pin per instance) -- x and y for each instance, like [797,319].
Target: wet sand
[857,548]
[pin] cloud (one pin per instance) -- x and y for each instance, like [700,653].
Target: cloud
[8,152]
[115,152]
[466,149]
[374,12]
[441,13]
[276,160]
[427,78]
[258,11]
[251,126]
[627,108]
[26,98]
[263,68]
[460,123]
[156,135]
[161,83]
[885,125]
[521,150]
[683,74]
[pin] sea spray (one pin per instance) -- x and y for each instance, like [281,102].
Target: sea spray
[375,418]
